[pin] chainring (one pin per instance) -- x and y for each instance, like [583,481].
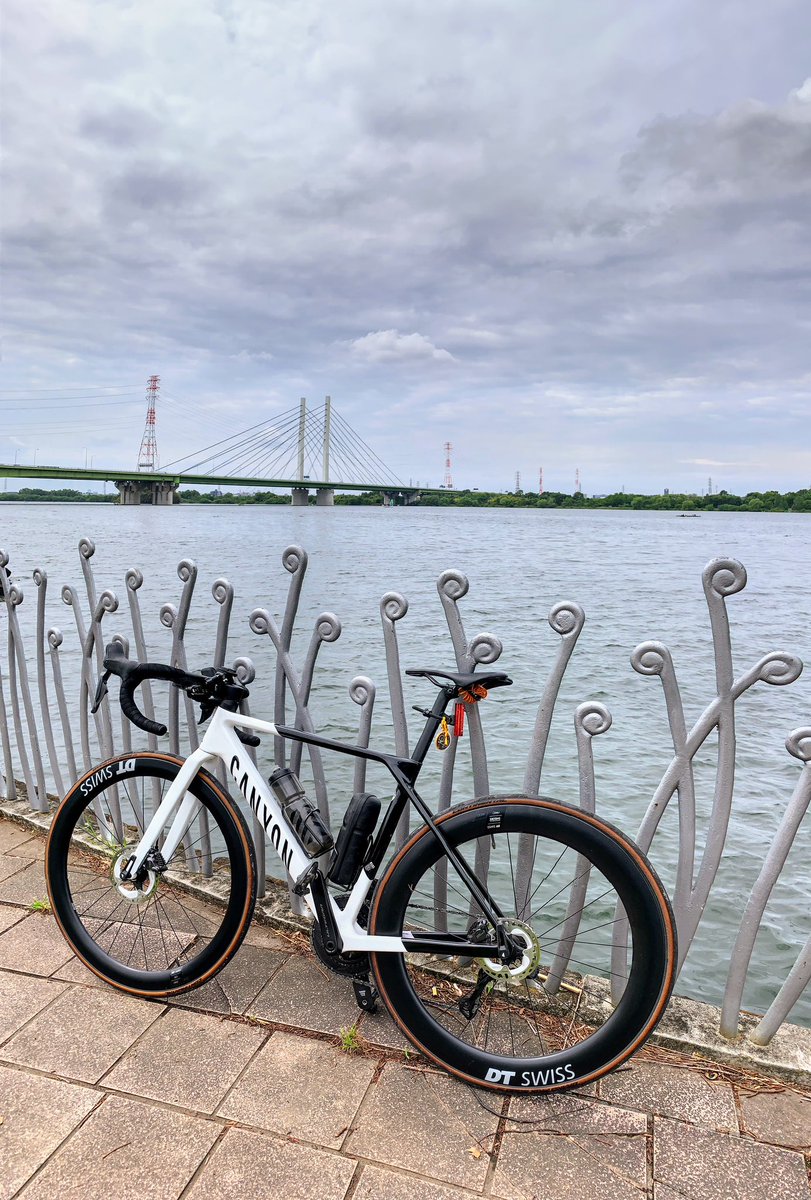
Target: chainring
[350,963]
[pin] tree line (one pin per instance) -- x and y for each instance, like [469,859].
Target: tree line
[721,501]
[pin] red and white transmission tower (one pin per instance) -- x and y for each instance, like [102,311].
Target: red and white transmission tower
[540,482]
[448,483]
[148,454]
[577,487]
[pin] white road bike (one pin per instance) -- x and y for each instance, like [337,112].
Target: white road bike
[488,936]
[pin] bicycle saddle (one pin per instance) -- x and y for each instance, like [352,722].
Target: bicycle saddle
[463,680]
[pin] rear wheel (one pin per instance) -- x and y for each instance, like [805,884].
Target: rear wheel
[565,881]
[177,923]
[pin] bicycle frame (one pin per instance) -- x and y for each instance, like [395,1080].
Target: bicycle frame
[221,743]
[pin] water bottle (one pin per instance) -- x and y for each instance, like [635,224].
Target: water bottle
[302,815]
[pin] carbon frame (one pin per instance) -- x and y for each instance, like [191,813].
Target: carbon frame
[221,742]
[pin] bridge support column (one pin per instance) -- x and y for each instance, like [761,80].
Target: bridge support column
[325,497]
[163,493]
[129,492]
[301,497]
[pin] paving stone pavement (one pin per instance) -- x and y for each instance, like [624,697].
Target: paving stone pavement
[241,1088]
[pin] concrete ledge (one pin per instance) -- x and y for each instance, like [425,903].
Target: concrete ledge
[689,1026]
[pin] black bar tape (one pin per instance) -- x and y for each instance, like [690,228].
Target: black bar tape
[133,713]
[132,675]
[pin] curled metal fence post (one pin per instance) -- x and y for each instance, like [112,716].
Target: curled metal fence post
[246,673]
[176,620]
[652,658]
[393,607]
[18,687]
[798,744]
[9,784]
[262,622]
[107,602]
[41,581]
[223,593]
[362,692]
[294,561]
[54,642]
[721,578]
[71,597]
[567,620]
[133,581]
[485,648]
[9,788]
[327,629]
[590,720]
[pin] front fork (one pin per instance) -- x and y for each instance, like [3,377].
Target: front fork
[177,798]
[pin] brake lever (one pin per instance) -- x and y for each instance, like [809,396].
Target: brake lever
[207,707]
[101,691]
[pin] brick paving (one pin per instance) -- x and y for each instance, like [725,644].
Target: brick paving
[241,1088]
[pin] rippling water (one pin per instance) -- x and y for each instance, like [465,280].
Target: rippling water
[638,576]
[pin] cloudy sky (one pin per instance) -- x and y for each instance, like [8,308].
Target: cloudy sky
[555,235]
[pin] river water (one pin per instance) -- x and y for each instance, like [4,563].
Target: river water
[638,577]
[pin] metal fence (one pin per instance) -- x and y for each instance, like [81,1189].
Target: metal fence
[48,737]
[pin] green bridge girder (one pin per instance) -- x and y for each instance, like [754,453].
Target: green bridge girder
[101,474]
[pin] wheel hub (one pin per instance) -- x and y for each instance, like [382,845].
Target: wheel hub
[523,967]
[137,891]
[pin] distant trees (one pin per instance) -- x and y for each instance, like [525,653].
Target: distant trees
[69,495]
[722,501]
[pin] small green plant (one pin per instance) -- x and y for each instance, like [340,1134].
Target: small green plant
[351,1040]
[39,906]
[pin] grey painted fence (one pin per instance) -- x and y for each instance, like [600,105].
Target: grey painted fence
[48,737]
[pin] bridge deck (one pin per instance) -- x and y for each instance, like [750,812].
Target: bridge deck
[106,474]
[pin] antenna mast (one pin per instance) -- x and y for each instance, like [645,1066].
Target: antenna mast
[148,454]
[448,483]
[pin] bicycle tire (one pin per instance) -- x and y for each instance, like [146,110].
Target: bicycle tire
[424,994]
[162,936]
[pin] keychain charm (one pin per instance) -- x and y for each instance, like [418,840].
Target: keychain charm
[443,738]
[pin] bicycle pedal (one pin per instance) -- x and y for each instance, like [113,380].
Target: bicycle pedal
[304,882]
[365,995]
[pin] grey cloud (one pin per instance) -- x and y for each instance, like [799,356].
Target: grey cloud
[749,146]
[119,126]
[149,185]
[481,208]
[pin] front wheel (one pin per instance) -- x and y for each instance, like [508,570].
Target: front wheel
[160,933]
[567,883]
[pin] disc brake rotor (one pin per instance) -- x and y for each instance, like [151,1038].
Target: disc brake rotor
[130,890]
[529,961]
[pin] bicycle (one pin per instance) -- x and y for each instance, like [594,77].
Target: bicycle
[488,935]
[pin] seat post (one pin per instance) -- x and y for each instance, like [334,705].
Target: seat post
[433,718]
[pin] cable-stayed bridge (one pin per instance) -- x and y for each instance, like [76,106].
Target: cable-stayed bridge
[305,450]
